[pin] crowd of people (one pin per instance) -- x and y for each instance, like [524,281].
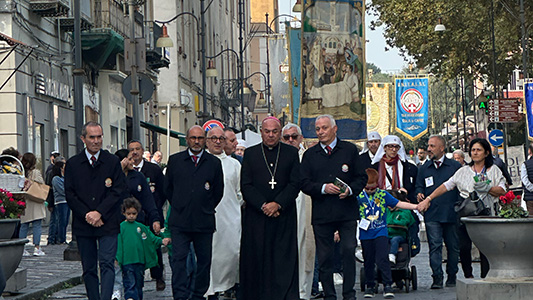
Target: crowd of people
[268,221]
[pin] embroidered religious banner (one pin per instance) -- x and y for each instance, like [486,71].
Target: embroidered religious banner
[333,66]
[279,72]
[377,107]
[529,109]
[412,107]
[295,49]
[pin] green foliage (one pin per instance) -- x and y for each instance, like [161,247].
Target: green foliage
[512,211]
[466,45]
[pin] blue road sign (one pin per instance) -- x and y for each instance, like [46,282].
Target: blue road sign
[496,137]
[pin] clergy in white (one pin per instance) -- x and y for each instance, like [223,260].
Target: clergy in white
[292,135]
[227,237]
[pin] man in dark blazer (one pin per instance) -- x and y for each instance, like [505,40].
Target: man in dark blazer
[194,185]
[335,207]
[95,187]
[370,149]
[156,180]
[440,218]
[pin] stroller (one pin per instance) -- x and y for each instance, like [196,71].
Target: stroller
[403,274]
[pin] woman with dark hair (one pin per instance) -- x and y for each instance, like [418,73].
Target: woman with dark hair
[35,212]
[487,180]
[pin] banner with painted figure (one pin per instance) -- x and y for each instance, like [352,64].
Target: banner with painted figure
[529,109]
[279,72]
[412,107]
[377,107]
[333,66]
[295,49]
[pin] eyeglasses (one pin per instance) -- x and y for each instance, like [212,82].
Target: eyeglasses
[199,138]
[393,146]
[217,138]
[293,136]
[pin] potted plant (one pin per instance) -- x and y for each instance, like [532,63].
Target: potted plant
[506,240]
[10,210]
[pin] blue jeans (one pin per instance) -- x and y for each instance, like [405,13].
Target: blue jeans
[63,214]
[37,230]
[96,251]
[437,233]
[133,278]
[52,227]
[395,242]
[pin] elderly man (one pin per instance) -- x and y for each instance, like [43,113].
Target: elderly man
[292,135]
[227,238]
[94,188]
[194,184]
[332,174]
[459,156]
[440,218]
[154,177]
[269,250]
[369,150]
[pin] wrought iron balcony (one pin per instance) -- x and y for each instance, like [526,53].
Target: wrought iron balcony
[49,8]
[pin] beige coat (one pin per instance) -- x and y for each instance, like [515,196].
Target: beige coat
[34,210]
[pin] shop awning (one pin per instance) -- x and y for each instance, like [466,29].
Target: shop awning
[158,129]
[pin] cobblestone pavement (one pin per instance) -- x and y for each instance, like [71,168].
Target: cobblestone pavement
[50,277]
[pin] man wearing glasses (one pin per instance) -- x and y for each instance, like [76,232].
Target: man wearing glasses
[227,238]
[194,185]
[292,135]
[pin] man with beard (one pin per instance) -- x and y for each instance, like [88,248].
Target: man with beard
[269,185]
[333,176]
[440,218]
[227,238]
[194,184]
[154,177]
[370,149]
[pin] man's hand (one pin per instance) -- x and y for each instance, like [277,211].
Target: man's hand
[336,237]
[93,217]
[345,194]
[167,241]
[332,189]
[270,209]
[157,227]
[420,197]
[423,206]
[99,223]
[124,162]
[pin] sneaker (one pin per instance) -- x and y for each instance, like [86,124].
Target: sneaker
[388,292]
[437,284]
[370,292]
[116,295]
[26,253]
[392,258]
[38,252]
[359,255]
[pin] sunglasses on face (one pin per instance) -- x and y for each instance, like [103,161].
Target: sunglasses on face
[293,136]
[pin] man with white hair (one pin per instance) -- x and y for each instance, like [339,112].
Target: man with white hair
[370,148]
[227,237]
[291,134]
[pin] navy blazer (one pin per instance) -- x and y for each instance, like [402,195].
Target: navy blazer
[156,181]
[318,168]
[101,188]
[441,208]
[139,188]
[193,191]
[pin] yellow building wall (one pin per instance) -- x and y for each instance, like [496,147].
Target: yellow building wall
[258,9]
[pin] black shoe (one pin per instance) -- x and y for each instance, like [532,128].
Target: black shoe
[370,292]
[160,285]
[437,284]
[317,295]
[388,292]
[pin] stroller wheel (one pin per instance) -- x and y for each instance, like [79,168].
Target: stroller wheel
[407,283]
[414,279]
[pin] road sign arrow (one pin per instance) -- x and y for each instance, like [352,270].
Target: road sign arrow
[496,138]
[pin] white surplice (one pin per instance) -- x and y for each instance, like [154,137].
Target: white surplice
[227,237]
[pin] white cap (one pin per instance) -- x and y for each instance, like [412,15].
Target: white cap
[241,143]
[372,136]
[390,140]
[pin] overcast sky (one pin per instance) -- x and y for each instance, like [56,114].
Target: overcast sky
[387,61]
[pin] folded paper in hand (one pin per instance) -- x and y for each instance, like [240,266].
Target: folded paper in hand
[340,184]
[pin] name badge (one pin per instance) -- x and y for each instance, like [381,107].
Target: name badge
[429,181]
[364,224]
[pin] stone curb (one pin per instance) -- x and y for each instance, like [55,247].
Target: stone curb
[45,289]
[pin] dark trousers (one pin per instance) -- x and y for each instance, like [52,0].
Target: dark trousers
[325,249]
[133,281]
[436,233]
[157,271]
[52,227]
[465,253]
[376,252]
[96,251]
[63,214]
[202,243]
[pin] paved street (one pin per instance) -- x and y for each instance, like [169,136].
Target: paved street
[51,275]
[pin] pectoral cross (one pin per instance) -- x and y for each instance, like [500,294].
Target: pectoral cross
[272,183]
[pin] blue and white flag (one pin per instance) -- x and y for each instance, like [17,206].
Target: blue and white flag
[529,109]
[412,107]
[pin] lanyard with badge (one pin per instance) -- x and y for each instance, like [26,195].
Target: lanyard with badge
[365,223]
